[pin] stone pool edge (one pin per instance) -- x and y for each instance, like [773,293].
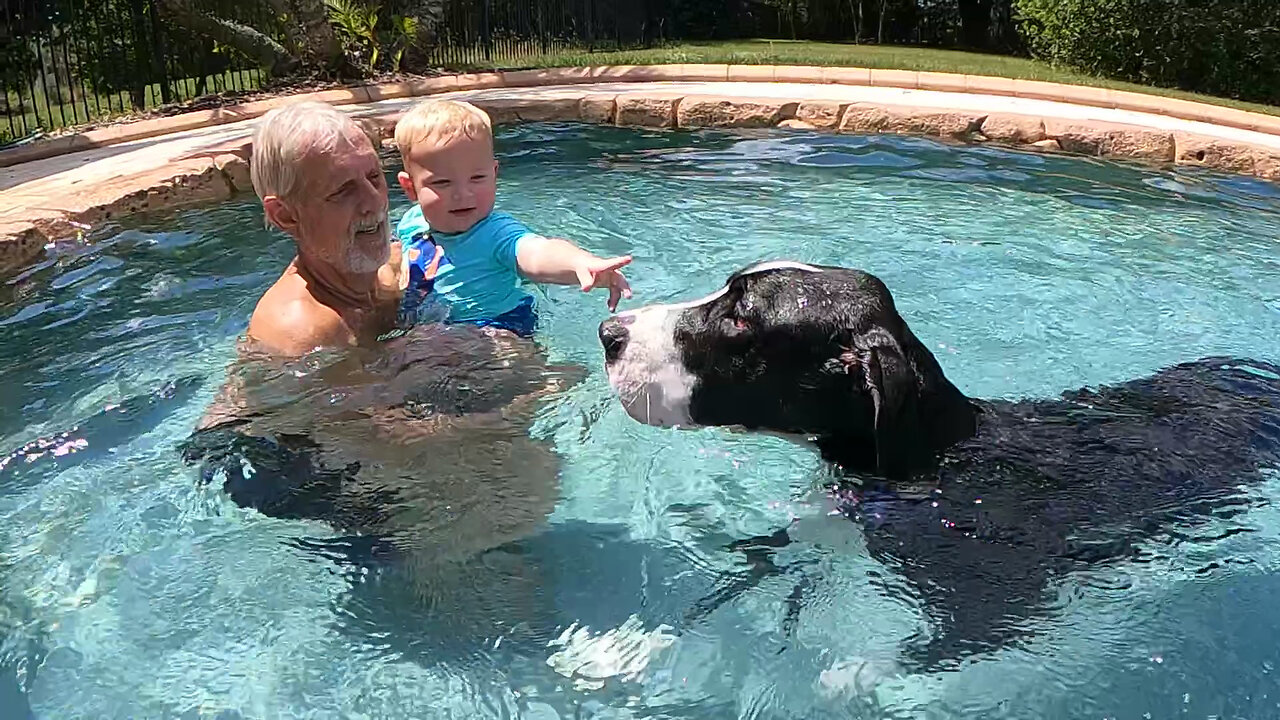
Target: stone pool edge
[217,173]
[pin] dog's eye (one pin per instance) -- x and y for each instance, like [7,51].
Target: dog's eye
[735,325]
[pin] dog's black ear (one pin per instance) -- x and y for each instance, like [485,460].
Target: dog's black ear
[901,442]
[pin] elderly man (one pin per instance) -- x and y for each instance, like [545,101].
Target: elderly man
[321,182]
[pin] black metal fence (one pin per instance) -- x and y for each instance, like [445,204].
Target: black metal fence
[479,32]
[66,62]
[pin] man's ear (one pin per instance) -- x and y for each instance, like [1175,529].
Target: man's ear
[901,442]
[406,184]
[280,214]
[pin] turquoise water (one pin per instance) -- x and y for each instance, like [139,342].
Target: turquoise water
[129,590]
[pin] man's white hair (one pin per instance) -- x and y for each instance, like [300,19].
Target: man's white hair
[287,134]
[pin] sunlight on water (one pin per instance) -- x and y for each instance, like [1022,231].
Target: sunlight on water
[130,588]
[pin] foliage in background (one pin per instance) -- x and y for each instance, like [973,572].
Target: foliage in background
[370,36]
[1222,47]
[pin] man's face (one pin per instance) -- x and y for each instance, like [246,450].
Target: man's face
[454,183]
[340,214]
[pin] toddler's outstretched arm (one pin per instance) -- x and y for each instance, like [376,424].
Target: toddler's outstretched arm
[560,262]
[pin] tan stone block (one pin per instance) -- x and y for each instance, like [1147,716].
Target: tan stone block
[339,96]
[599,109]
[697,111]
[187,182]
[186,121]
[509,110]
[655,73]
[907,79]
[1047,144]
[796,124]
[390,91]
[1083,95]
[20,243]
[615,73]
[1140,102]
[479,81]
[1264,124]
[1266,164]
[236,170]
[750,73]
[985,85]
[912,121]
[704,72]
[823,114]
[809,74]
[647,110]
[942,82]
[846,76]
[1036,90]
[1112,140]
[549,76]
[433,85]
[1020,129]
[1211,152]
[41,150]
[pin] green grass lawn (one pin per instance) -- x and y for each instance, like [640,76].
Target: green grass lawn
[746,52]
[788,52]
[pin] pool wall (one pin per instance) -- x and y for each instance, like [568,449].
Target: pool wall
[64,187]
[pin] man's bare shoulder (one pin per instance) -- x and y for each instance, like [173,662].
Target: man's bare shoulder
[289,321]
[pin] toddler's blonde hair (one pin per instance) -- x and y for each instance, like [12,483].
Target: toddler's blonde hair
[441,121]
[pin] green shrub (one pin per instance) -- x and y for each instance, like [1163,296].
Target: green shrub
[1221,47]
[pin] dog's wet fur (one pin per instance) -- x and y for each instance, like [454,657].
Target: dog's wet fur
[980,504]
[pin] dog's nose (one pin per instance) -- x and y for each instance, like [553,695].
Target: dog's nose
[613,336]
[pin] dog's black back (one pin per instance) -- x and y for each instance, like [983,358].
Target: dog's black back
[1049,486]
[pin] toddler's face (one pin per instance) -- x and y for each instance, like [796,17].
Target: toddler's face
[453,183]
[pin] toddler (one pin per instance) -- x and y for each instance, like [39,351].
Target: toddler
[458,246]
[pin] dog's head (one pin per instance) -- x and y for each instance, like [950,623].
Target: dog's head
[796,349]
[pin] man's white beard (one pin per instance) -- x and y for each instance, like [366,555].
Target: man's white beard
[364,260]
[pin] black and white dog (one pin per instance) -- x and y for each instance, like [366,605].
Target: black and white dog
[979,504]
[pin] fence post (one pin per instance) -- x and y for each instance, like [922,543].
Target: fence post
[486,37]
[138,92]
[159,59]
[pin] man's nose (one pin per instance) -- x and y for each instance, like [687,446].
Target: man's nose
[614,335]
[374,197]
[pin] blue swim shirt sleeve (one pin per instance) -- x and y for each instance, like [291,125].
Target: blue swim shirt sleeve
[411,223]
[506,233]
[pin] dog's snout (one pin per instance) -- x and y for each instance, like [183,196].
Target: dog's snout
[613,336]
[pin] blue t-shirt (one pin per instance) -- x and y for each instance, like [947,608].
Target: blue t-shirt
[477,276]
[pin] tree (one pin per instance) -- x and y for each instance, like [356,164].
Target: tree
[305,40]
[247,41]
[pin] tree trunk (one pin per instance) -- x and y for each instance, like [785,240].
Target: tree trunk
[318,43]
[855,11]
[244,39]
[429,13]
[883,10]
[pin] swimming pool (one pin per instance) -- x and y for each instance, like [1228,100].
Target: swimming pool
[127,590]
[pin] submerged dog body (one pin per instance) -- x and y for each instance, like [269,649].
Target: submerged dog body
[980,504]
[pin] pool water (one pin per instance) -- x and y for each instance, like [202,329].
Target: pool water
[129,589]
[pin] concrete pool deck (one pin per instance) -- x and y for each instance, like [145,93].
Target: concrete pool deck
[55,190]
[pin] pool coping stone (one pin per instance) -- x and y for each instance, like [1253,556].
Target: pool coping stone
[63,188]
